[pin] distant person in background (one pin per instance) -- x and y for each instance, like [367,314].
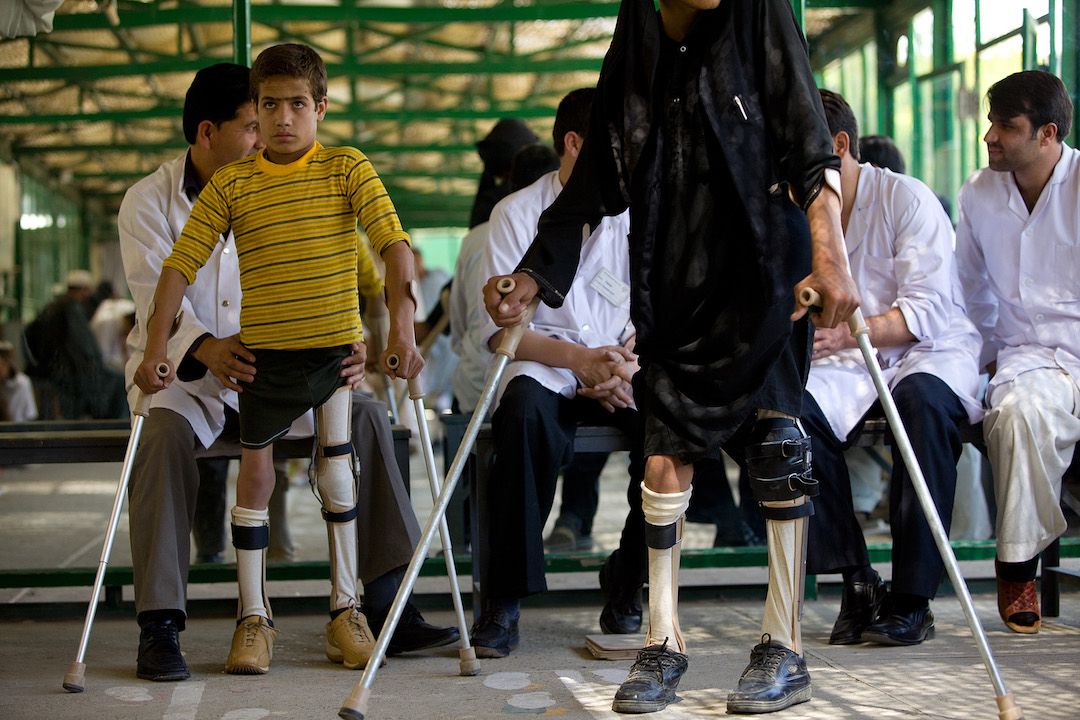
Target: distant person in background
[497,151]
[16,393]
[439,359]
[65,352]
[880,151]
[111,323]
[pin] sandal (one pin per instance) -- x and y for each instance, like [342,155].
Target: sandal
[1018,605]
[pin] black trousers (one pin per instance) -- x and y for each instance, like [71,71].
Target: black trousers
[534,432]
[933,416]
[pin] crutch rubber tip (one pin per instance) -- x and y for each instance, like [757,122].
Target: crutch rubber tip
[75,677]
[468,664]
[355,706]
[1007,708]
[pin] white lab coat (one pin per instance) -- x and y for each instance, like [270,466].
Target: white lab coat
[900,247]
[1021,271]
[468,318]
[588,317]
[152,216]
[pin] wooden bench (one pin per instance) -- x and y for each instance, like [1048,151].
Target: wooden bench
[72,441]
[609,439]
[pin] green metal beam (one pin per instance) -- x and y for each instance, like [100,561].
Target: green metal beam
[178,144]
[504,66]
[148,16]
[130,175]
[358,114]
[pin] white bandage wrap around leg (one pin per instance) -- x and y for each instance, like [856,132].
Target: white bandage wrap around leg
[251,565]
[661,510]
[336,485]
[787,563]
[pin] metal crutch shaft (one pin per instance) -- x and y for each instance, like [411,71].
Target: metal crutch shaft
[74,679]
[355,705]
[468,664]
[1007,708]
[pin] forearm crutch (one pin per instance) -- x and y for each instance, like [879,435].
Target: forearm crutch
[355,706]
[76,674]
[469,665]
[1007,708]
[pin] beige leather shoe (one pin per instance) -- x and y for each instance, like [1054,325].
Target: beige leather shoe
[349,639]
[252,647]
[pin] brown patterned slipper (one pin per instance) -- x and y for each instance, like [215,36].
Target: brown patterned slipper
[1018,605]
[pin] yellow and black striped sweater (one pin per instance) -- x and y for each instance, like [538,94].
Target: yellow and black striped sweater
[295,230]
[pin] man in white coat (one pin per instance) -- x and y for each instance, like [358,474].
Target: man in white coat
[564,375]
[900,249]
[1018,251]
[220,125]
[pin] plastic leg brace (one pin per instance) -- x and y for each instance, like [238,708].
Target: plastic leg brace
[779,467]
[251,537]
[663,535]
[335,483]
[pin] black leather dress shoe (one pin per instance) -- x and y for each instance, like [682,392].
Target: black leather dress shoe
[902,628]
[859,609]
[414,633]
[652,681]
[776,678]
[159,653]
[494,634]
[622,602]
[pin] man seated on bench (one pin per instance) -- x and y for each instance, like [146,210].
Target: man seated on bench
[563,376]
[1018,252]
[900,248]
[220,125]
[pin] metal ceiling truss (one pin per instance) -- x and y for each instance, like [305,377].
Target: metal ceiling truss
[415,87]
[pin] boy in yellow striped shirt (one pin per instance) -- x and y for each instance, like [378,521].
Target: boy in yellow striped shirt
[293,209]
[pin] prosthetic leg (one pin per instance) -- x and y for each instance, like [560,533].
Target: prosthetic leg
[778,460]
[348,637]
[655,674]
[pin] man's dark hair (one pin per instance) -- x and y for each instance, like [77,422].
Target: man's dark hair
[530,163]
[292,60]
[841,118]
[572,115]
[1036,94]
[880,151]
[216,94]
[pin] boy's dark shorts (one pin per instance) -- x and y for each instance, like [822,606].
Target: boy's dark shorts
[287,384]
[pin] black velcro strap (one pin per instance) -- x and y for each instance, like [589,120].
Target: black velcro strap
[336,450]
[788,513]
[339,517]
[789,448]
[661,537]
[250,538]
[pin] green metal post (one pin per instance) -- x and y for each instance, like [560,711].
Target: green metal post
[799,6]
[242,32]
[1030,56]
[1070,66]
[944,99]
[918,161]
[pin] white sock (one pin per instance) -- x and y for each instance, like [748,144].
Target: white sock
[251,564]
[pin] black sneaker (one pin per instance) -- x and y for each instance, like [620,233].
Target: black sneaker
[495,633]
[652,681]
[622,603]
[776,678]
[159,653]
[413,632]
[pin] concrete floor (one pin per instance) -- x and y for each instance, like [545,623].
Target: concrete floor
[52,516]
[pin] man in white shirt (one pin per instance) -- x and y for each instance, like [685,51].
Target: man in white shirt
[564,375]
[220,125]
[900,249]
[1018,252]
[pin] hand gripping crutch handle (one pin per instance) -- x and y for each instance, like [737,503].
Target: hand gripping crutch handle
[1007,708]
[74,678]
[513,335]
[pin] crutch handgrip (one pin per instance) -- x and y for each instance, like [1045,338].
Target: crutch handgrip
[142,400]
[811,298]
[513,335]
[415,391]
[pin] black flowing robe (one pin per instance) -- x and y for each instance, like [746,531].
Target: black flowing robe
[717,145]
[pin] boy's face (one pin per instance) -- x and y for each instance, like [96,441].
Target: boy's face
[288,117]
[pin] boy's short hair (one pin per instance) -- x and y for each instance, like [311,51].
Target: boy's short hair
[1036,94]
[293,60]
[880,151]
[841,117]
[216,94]
[530,163]
[572,115]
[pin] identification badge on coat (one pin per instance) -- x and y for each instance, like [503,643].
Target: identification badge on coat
[611,288]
